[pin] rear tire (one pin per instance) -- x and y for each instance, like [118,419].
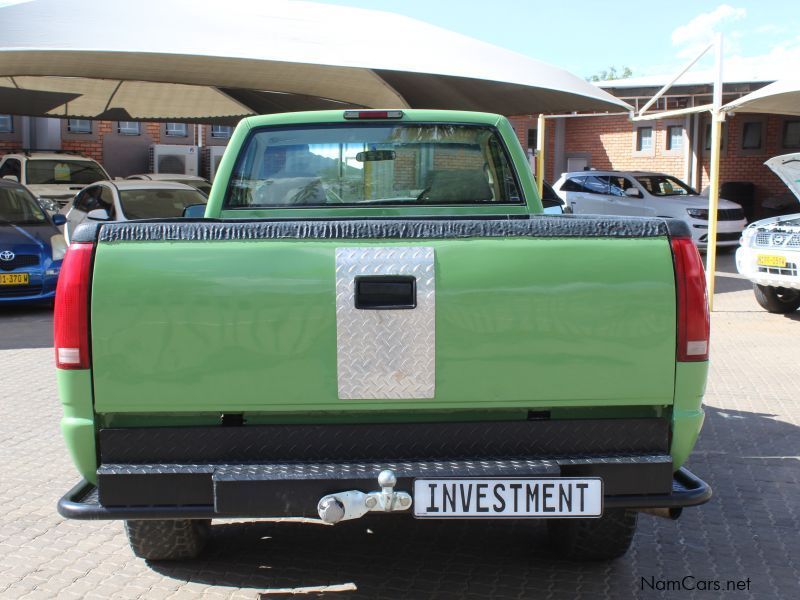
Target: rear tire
[605,538]
[167,539]
[777,299]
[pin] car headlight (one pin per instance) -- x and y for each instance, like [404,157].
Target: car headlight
[48,204]
[698,213]
[748,234]
[58,245]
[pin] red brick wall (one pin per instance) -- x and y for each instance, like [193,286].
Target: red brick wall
[8,146]
[610,140]
[92,148]
[738,166]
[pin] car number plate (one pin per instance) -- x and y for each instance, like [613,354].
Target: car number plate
[14,279]
[771,260]
[509,498]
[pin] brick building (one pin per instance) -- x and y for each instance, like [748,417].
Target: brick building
[678,146]
[122,147]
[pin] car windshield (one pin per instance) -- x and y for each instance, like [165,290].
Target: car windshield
[665,185]
[372,164]
[79,172]
[18,207]
[158,204]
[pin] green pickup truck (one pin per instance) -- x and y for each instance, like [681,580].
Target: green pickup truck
[373,318]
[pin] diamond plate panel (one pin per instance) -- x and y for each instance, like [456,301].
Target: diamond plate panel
[385,354]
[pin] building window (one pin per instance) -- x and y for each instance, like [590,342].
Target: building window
[129,128]
[6,124]
[221,131]
[675,137]
[177,130]
[752,136]
[707,137]
[644,139]
[791,134]
[79,126]
[533,138]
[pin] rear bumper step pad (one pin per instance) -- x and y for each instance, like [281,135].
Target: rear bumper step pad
[279,490]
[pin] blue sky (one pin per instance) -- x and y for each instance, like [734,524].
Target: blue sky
[585,37]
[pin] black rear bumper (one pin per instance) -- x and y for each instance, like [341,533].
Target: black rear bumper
[283,470]
[252,492]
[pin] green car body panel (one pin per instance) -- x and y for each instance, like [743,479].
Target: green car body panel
[580,327]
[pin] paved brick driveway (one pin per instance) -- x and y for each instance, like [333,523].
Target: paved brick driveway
[748,452]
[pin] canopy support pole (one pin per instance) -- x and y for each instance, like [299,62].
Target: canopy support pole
[540,156]
[717,117]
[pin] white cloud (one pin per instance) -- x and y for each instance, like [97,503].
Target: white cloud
[698,32]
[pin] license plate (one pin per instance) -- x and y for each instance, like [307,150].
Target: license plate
[14,279]
[507,498]
[770,260]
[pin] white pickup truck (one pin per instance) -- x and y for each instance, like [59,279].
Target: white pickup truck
[769,254]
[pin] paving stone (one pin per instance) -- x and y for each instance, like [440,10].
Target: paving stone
[747,452]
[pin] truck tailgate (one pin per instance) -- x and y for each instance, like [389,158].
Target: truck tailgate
[200,318]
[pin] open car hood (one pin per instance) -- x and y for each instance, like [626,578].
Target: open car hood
[787,167]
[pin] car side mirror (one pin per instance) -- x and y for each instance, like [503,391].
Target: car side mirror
[98,214]
[59,219]
[13,178]
[633,193]
[194,211]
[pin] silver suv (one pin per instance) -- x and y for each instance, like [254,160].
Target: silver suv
[647,194]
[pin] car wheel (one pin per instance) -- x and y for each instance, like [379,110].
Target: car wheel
[605,538]
[167,539]
[777,299]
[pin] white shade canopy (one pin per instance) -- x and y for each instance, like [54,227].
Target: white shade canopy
[781,97]
[211,61]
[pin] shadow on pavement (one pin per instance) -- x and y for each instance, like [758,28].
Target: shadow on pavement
[26,327]
[728,278]
[748,530]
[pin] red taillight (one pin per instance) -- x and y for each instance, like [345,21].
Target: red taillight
[694,323]
[373,114]
[71,315]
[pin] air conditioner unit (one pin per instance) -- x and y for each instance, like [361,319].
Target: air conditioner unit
[173,158]
[214,157]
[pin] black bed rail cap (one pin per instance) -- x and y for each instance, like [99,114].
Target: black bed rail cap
[537,226]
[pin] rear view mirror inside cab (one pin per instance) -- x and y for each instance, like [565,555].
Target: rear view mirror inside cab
[375,155]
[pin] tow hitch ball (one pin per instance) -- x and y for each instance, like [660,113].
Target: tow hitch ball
[353,504]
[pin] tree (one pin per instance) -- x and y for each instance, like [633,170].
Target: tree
[611,73]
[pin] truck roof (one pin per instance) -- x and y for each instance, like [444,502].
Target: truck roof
[408,114]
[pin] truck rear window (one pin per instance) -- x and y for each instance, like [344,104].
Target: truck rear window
[372,164]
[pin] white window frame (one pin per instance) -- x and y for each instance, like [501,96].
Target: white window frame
[651,150]
[221,131]
[172,129]
[129,128]
[79,126]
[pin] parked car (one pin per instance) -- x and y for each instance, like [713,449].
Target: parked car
[769,254]
[129,200]
[193,180]
[31,247]
[645,194]
[378,319]
[53,177]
